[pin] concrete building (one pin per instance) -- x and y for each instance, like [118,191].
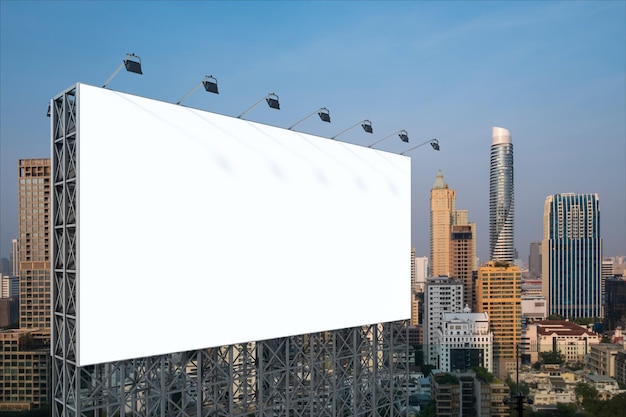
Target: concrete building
[9,311]
[34,208]
[601,358]
[620,367]
[15,257]
[571,340]
[442,217]
[534,307]
[24,369]
[572,255]
[498,294]
[464,341]
[442,295]
[30,389]
[463,258]
[421,272]
[9,286]
[501,197]
[607,387]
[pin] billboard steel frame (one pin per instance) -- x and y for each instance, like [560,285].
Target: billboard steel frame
[346,372]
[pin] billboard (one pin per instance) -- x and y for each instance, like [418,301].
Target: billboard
[197,230]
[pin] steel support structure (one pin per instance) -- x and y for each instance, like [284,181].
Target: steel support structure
[356,371]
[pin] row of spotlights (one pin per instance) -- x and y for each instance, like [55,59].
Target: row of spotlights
[132,63]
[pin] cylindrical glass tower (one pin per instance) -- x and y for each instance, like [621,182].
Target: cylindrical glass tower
[501,198]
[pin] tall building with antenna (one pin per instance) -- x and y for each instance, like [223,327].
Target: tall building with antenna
[501,197]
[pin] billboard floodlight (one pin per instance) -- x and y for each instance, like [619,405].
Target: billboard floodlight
[323,113]
[271,99]
[132,63]
[404,137]
[365,124]
[434,143]
[210,85]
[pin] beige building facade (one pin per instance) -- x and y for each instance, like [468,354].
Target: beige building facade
[498,293]
[442,217]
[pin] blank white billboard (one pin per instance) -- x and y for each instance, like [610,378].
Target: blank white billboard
[199,230]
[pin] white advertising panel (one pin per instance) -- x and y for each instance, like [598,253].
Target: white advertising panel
[199,230]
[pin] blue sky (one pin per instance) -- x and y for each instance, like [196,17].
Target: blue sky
[553,73]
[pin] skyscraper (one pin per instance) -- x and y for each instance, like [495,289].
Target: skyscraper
[534,260]
[501,197]
[25,352]
[572,255]
[442,216]
[34,242]
[463,259]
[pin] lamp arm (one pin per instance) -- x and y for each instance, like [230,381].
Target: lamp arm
[113,75]
[190,92]
[253,106]
[386,137]
[421,144]
[344,131]
[302,120]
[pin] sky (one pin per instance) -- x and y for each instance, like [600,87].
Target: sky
[552,73]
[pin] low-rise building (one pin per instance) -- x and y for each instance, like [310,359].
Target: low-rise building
[568,338]
[464,341]
[601,359]
[607,387]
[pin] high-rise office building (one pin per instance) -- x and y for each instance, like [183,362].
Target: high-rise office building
[34,207]
[498,293]
[463,259]
[501,197]
[442,216]
[572,255]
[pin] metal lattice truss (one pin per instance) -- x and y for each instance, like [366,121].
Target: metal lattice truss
[346,372]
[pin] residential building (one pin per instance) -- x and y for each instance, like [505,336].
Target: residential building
[501,197]
[34,208]
[442,295]
[15,257]
[620,367]
[9,312]
[607,387]
[572,255]
[27,350]
[24,369]
[601,358]
[498,294]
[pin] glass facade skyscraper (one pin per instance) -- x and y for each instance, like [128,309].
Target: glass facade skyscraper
[572,255]
[501,197]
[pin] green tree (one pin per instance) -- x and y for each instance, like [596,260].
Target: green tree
[587,395]
[552,357]
[555,317]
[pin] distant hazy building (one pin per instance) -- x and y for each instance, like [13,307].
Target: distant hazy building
[442,295]
[421,271]
[442,217]
[498,293]
[534,260]
[501,197]
[15,258]
[572,255]
[9,286]
[464,341]
[463,257]
[615,303]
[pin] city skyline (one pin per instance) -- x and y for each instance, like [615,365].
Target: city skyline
[438,70]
